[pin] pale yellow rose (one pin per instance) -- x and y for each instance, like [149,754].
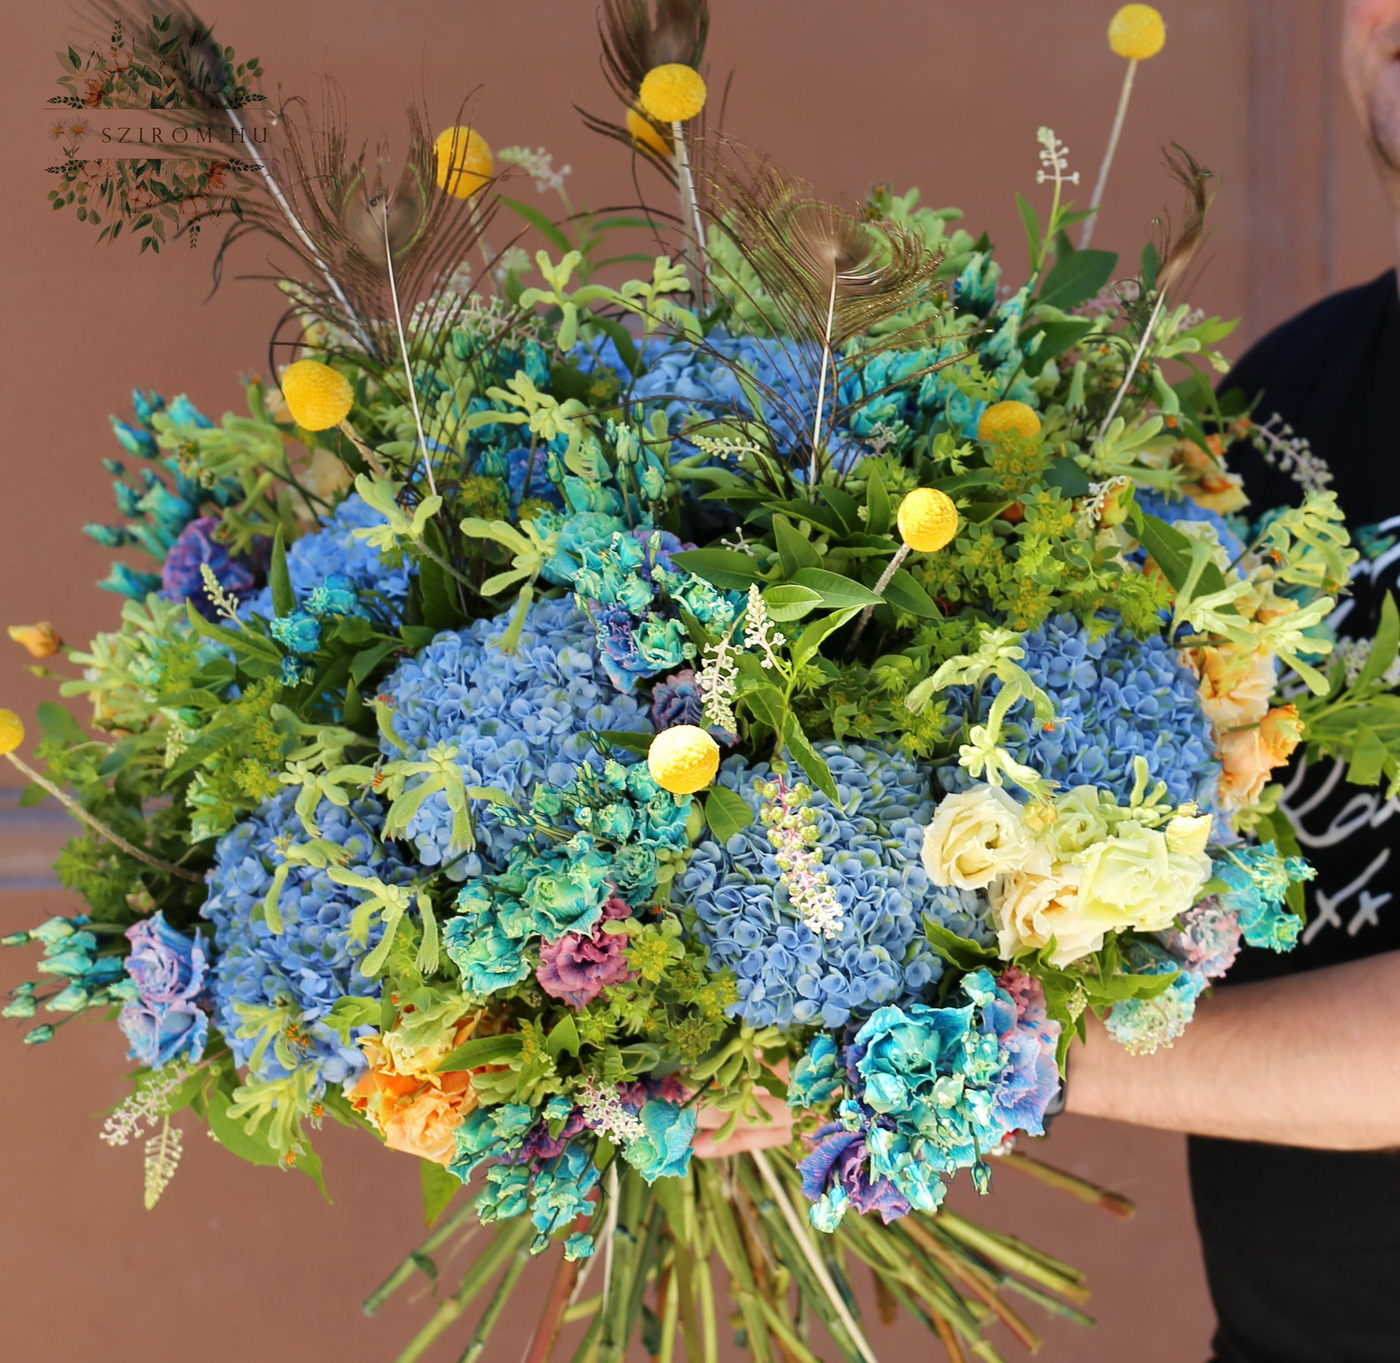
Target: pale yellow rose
[1134,880]
[1236,686]
[1188,834]
[1079,823]
[1030,909]
[1247,756]
[976,836]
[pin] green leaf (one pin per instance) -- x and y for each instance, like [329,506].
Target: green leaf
[1077,277]
[726,568]
[1066,475]
[903,591]
[810,640]
[439,1188]
[1383,647]
[1031,222]
[1171,552]
[1368,756]
[56,722]
[767,703]
[539,222]
[284,599]
[482,1050]
[878,512]
[962,952]
[810,760]
[628,741]
[834,589]
[843,504]
[440,610]
[1151,263]
[787,601]
[563,1038]
[795,550]
[364,662]
[1045,340]
[727,812]
[242,641]
[229,1132]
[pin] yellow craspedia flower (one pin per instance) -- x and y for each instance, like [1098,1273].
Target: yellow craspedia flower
[1137,32]
[317,396]
[928,520]
[643,130]
[1008,418]
[464,162]
[673,93]
[11,732]
[42,640]
[683,759]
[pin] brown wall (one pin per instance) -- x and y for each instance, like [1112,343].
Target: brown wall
[240,1263]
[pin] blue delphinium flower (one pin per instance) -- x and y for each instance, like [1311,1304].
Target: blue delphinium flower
[1116,697]
[264,979]
[869,848]
[1258,879]
[931,1091]
[516,719]
[334,551]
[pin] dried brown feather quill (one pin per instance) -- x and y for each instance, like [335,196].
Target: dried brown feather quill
[1178,255]
[832,272]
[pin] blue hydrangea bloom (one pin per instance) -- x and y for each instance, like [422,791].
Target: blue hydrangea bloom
[312,962]
[1116,697]
[870,849]
[333,551]
[516,719]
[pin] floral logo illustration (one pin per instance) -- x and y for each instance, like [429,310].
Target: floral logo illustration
[169,158]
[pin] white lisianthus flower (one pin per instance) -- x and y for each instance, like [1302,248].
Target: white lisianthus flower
[976,836]
[1030,909]
[1135,880]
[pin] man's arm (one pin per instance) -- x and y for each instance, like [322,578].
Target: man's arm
[1310,1060]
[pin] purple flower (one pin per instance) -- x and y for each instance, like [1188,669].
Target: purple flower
[181,579]
[660,545]
[1030,1078]
[578,968]
[168,970]
[677,700]
[839,1157]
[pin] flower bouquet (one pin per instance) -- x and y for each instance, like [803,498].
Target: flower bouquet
[681,757]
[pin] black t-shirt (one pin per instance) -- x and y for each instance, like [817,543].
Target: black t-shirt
[1302,1247]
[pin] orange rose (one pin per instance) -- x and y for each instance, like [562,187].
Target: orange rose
[1249,755]
[1236,686]
[1208,483]
[426,1125]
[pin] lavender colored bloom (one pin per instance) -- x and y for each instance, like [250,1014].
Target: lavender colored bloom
[677,700]
[165,1020]
[840,1158]
[181,578]
[577,968]
[1031,1078]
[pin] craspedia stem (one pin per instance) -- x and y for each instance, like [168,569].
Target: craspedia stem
[690,209]
[1114,133]
[97,826]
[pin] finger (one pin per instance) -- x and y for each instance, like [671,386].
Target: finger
[751,1138]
